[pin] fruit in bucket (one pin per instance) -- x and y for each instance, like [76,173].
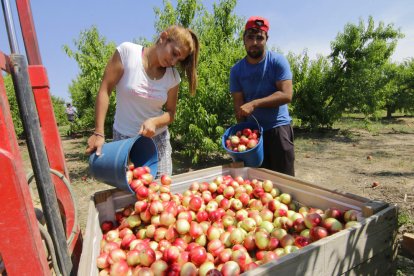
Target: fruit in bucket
[235,140]
[251,143]
[241,148]
[243,140]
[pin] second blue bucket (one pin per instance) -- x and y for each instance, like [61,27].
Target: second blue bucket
[110,167]
[252,157]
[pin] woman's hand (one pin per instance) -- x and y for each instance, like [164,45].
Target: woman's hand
[148,128]
[95,142]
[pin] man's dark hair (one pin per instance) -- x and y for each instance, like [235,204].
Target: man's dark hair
[254,31]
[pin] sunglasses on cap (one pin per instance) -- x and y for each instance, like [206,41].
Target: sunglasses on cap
[259,22]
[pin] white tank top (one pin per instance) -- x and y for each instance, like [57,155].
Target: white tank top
[137,96]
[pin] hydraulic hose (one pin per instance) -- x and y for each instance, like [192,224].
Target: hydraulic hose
[30,177]
[49,244]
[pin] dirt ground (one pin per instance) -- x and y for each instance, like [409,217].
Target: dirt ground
[348,158]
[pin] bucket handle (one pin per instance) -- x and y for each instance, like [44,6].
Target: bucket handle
[257,122]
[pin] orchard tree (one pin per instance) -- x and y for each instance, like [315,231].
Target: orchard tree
[400,87]
[59,109]
[14,107]
[183,14]
[407,99]
[57,103]
[312,104]
[359,56]
[92,54]
[392,89]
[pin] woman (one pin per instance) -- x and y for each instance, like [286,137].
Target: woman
[147,86]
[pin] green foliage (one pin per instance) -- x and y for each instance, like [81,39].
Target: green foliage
[358,77]
[57,103]
[183,14]
[59,110]
[92,54]
[400,87]
[358,57]
[393,88]
[406,103]
[404,218]
[14,108]
[312,103]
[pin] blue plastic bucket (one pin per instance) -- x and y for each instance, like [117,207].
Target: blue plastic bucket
[110,167]
[252,157]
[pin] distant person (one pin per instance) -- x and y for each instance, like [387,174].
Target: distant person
[147,85]
[70,112]
[261,85]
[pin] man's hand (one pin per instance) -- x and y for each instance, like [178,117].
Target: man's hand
[246,110]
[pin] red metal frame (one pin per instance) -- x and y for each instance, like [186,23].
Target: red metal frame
[3,62]
[50,132]
[21,246]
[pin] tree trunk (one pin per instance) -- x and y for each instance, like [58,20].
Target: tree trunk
[389,113]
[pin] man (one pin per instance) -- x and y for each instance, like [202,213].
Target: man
[261,87]
[70,112]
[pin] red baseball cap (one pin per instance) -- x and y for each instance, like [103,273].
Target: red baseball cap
[257,22]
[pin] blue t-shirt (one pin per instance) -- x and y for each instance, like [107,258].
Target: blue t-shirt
[259,81]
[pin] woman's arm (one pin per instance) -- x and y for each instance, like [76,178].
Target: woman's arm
[113,73]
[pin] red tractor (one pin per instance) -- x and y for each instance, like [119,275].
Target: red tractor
[28,246]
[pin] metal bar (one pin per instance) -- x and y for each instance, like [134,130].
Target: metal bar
[29,32]
[14,47]
[38,157]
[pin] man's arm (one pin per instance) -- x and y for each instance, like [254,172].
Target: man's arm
[282,96]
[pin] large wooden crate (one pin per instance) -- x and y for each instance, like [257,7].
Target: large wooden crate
[367,249]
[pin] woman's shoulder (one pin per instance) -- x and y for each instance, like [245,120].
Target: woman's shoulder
[129,46]
[173,75]
[129,51]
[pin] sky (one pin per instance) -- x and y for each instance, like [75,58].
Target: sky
[294,26]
